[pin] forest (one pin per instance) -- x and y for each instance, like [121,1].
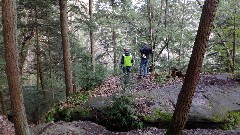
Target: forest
[61,67]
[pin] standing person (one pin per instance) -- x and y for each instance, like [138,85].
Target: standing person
[127,62]
[145,52]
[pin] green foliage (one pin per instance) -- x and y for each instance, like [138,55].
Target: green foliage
[50,116]
[83,71]
[87,78]
[37,104]
[233,121]
[78,98]
[69,110]
[215,119]
[165,117]
[121,115]
[59,113]
[82,114]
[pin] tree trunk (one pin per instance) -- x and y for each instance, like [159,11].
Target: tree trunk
[66,46]
[92,35]
[12,66]
[150,17]
[114,40]
[234,41]
[50,60]
[24,48]
[40,77]
[191,79]
[167,39]
[228,54]
[181,40]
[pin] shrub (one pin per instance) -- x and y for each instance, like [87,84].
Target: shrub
[88,79]
[121,115]
[65,110]
[58,114]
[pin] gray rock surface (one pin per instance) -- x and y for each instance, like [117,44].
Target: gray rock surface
[214,97]
[210,100]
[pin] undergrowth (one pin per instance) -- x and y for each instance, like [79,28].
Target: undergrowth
[121,115]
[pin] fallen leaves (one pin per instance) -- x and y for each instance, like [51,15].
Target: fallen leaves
[6,127]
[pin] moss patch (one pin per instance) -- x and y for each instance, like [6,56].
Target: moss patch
[233,121]
[158,117]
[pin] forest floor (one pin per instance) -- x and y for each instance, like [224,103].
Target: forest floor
[109,87]
[90,128]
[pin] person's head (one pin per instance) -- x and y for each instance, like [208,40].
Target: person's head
[126,50]
[145,44]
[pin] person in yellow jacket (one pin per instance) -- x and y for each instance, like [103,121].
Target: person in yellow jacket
[127,61]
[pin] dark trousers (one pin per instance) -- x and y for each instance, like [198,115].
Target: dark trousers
[143,67]
[126,72]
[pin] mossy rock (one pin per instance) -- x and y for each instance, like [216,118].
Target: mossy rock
[158,116]
[233,121]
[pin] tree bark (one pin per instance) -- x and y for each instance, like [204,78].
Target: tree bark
[167,39]
[114,39]
[24,48]
[234,41]
[150,21]
[182,28]
[91,34]
[12,66]
[66,47]
[40,77]
[192,76]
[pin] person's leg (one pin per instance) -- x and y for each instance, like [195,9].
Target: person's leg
[128,73]
[125,75]
[128,69]
[124,70]
[145,67]
[141,68]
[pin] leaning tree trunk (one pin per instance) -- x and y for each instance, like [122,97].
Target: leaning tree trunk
[192,76]
[66,46]
[12,66]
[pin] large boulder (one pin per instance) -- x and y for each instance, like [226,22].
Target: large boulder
[214,98]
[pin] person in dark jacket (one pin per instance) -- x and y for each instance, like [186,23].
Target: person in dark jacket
[127,61]
[145,52]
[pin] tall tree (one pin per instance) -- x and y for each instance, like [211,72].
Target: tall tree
[66,46]
[150,29]
[192,75]
[114,36]
[92,34]
[38,55]
[234,40]
[12,66]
